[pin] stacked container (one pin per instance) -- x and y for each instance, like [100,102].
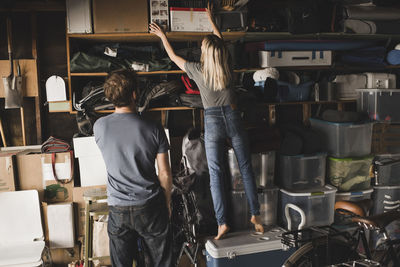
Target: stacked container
[349,161]
[264,170]
[304,199]
[386,196]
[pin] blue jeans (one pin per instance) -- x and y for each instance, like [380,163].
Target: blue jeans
[150,222]
[221,123]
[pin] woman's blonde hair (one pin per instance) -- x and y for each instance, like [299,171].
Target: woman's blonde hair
[215,63]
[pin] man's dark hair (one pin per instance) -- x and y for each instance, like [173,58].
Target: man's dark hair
[119,87]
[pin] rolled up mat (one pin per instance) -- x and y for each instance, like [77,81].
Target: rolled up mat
[393,57]
[371,13]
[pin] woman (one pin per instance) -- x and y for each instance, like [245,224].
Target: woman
[213,76]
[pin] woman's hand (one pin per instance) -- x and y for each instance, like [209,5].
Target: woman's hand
[155,29]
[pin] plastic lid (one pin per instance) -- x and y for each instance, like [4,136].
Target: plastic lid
[355,193]
[243,243]
[327,189]
[378,90]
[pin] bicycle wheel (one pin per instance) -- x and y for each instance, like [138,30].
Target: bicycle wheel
[320,254]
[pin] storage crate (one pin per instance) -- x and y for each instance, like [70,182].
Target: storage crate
[240,210]
[303,209]
[387,169]
[302,171]
[380,104]
[263,167]
[385,138]
[350,174]
[386,198]
[344,139]
[247,249]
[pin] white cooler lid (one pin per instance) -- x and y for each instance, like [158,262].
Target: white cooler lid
[243,243]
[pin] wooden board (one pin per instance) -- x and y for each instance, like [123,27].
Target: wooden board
[28,72]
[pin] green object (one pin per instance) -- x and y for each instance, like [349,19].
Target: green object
[350,174]
[55,192]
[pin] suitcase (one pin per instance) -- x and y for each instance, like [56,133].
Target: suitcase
[79,16]
[247,249]
[294,58]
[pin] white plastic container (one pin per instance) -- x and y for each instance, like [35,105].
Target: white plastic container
[294,58]
[247,248]
[343,140]
[79,16]
[240,210]
[302,171]
[263,167]
[303,209]
[381,80]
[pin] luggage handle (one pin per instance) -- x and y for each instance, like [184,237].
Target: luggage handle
[300,211]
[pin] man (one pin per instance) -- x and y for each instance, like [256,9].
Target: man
[139,201]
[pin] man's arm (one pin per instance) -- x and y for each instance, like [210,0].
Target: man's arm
[165,177]
[179,61]
[211,20]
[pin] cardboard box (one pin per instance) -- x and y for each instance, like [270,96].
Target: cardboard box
[159,13]
[189,20]
[30,171]
[79,203]
[120,16]
[91,164]
[57,191]
[7,171]
[59,225]
[79,16]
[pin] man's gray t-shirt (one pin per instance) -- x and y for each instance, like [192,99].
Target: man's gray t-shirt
[209,97]
[129,145]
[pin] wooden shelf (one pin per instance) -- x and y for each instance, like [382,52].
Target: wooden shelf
[148,37]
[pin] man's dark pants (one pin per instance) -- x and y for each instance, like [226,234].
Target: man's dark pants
[150,222]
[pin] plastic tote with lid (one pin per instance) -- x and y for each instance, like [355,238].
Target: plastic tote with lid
[343,140]
[303,209]
[387,169]
[247,249]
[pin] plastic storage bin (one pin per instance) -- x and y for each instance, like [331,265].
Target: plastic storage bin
[247,249]
[299,210]
[263,166]
[240,210]
[354,195]
[380,104]
[387,169]
[344,139]
[386,198]
[350,174]
[302,171]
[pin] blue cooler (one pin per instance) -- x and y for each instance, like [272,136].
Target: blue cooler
[247,249]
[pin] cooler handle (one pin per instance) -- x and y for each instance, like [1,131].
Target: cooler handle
[299,210]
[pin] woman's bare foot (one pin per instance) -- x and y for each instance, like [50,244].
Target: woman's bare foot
[222,230]
[256,220]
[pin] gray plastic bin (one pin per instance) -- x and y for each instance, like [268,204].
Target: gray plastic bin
[302,171]
[386,198]
[387,169]
[263,166]
[299,210]
[354,195]
[240,210]
[344,139]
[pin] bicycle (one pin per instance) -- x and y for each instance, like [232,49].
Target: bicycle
[330,246]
